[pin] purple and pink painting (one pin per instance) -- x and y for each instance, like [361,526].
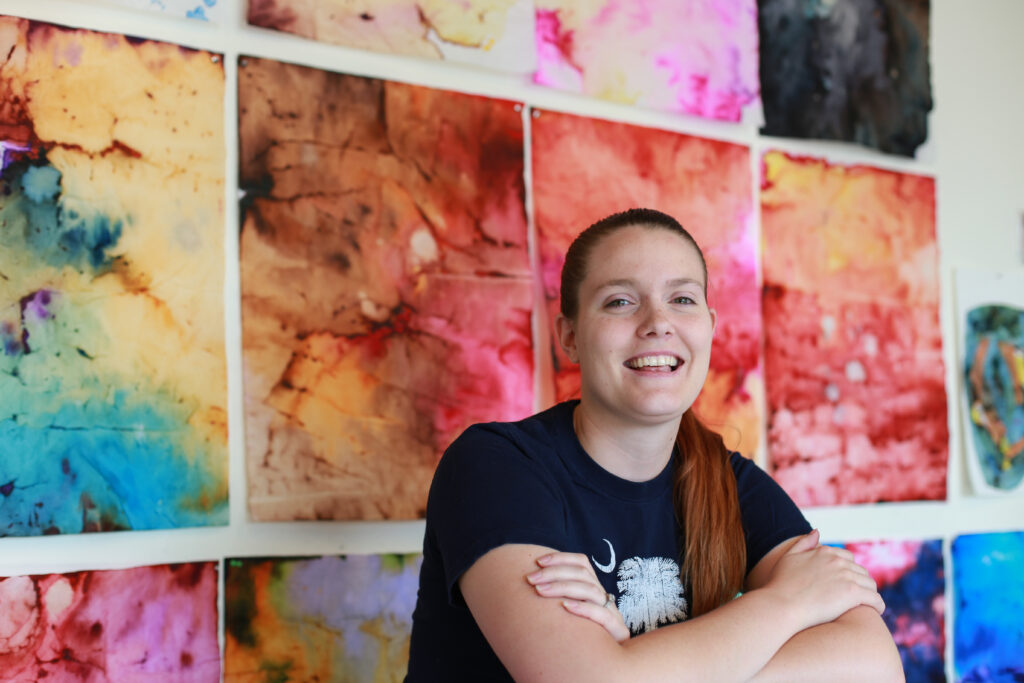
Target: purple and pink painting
[696,57]
[386,288]
[585,169]
[113,388]
[911,579]
[154,623]
[853,350]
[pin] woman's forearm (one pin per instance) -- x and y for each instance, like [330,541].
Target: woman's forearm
[855,647]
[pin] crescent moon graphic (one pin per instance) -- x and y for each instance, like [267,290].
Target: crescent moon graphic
[606,568]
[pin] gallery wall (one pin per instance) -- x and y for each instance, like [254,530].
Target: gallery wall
[974,153]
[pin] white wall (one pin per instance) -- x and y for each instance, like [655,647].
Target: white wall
[975,152]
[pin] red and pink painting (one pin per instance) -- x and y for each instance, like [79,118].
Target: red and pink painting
[386,288]
[155,623]
[585,169]
[853,350]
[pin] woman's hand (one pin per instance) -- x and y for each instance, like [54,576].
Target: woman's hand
[569,576]
[822,582]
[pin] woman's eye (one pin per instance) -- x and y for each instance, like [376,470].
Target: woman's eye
[683,300]
[617,303]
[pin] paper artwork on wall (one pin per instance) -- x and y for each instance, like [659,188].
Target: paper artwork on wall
[988,612]
[695,57]
[585,169]
[203,10]
[112,375]
[991,319]
[911,579]
[343,618]
[386,289]
[494,34]
[849,70]
[154,623]
[853,349]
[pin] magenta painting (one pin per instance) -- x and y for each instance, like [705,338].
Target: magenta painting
[853,350]
[912,581]
[695,57]
[386,288]
[154,624]
[585,169]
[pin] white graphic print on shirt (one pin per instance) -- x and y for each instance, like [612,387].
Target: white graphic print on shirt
[650,593]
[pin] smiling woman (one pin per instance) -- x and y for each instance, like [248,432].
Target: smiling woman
[607,538]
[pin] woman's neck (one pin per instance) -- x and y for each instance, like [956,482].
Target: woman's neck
[632,452]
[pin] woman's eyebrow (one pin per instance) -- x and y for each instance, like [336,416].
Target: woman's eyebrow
[629,282]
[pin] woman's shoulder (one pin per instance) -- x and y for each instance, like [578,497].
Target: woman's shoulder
[542,431]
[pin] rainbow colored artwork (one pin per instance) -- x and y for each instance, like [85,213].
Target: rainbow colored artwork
[386,289]
[585,169]
[911,580]
[695,57]
[496,34]
[154,624]
[991,313]
[345,619]
[853,349]
[112,375]
[851,71]
[988,599]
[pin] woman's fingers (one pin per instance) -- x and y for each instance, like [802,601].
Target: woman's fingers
[608,617]
[575,590]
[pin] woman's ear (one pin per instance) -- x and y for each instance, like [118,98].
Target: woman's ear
[714,320]
[566,337]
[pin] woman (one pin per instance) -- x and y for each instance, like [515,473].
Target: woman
[550,541]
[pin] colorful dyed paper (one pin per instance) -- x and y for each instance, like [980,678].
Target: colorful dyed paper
[386,290]
[911,579]
[991,318]
[585,169]
[850,70]
[340,619]
[112,376]
[853,349]
[154,624]
[496,34]
[694,57]
[988,599]
[203,10]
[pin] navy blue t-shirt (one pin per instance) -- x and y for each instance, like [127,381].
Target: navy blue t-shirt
[532,482]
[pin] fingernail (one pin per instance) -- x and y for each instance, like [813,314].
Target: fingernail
[543,560]
[543,588]
[570,604]
[533,576]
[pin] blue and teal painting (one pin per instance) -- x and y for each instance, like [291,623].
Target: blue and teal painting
[994,380]
[112,363]
[988,598]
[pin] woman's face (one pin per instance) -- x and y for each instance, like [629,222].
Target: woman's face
[642,336]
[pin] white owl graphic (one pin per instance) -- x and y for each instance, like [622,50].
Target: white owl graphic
[650,593]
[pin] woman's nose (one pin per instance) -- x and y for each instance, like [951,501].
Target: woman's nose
[654,323]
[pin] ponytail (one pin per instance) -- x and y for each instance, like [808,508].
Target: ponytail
[714,563]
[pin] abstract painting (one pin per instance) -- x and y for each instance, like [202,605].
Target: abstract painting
[988,599]
[695,57]
[495,34]
[204,10]
[585,169]
[344,619]
[154,623]
[853,350]
[991,316]
[911,580]
[849,70]
[386,288]
[112,376]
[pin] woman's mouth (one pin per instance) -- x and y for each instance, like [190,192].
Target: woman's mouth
[657,363]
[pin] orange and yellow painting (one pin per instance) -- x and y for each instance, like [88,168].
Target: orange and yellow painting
[386,289]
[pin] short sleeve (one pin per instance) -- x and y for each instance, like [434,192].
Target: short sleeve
[769,515]
[491,489]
